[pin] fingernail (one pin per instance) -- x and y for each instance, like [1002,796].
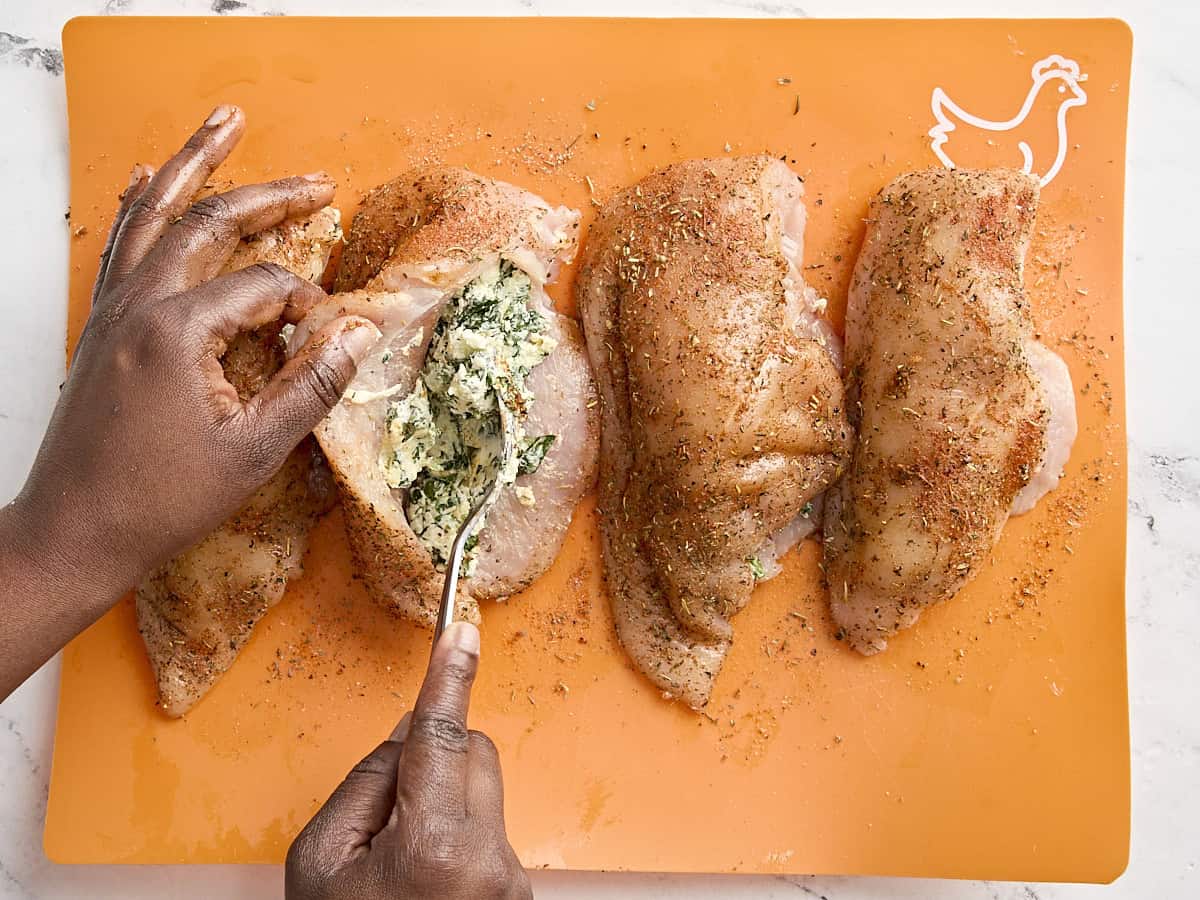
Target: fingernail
[317,176]
[463,636]
[400,732]
[358,337]
[140,171]
[219,115]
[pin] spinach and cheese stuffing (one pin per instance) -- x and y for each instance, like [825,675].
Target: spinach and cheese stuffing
[757,569]
[442,443]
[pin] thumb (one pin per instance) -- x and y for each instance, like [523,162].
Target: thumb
[311,383]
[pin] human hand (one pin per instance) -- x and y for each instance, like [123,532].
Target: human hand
[149,447]
[423,815]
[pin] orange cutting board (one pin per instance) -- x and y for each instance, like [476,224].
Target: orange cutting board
[989,742]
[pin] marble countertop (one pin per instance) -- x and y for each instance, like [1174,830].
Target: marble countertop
[1163,578]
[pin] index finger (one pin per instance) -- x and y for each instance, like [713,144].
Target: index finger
[433,767]
[200,243]
[139,178]
[173,188]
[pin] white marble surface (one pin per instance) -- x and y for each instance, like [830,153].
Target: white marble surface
[1162,316]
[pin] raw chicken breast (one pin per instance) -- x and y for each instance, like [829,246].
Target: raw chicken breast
[196,612]
[415,242]
[1061,429]
[722,408]
[963,417]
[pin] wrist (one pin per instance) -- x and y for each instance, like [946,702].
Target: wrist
[65,555]
[51,588]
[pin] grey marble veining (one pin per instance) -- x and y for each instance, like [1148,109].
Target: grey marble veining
[14,48]
[1162,318]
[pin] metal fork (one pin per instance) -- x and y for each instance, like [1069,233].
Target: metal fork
[450,588]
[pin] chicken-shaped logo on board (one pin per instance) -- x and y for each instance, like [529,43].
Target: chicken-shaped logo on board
[1055,89]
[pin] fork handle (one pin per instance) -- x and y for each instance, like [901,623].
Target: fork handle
[449,588]
[458,548]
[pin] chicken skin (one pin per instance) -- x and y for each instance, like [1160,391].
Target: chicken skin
[963,418]
[722,407]
[197,611]
[422,250]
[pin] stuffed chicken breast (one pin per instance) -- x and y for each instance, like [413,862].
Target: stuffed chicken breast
[452,268]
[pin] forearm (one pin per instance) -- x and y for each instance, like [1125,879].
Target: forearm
[54,583]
